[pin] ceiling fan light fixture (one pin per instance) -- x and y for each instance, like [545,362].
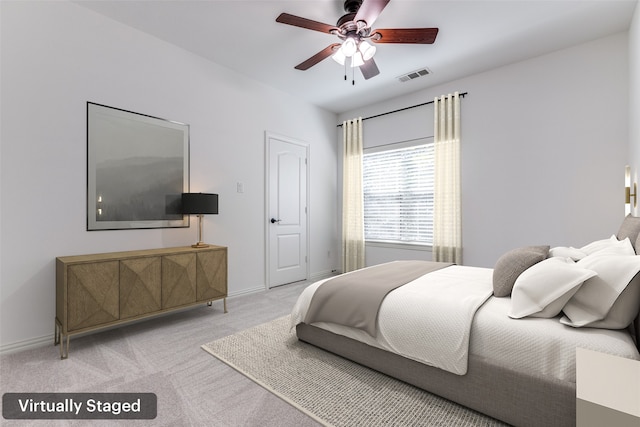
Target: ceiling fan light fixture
[356,35]
[339,57]
[367,50]
[349,47]
[356,60]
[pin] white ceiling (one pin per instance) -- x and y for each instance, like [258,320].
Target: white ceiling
[475,35]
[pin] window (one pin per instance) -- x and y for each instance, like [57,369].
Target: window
[398,193]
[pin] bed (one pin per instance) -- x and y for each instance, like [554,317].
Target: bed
[498,340]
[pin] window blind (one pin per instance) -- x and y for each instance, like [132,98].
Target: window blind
[398,194]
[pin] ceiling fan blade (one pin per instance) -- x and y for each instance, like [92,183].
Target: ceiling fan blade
[323,54]
[370,10]
[285,18]
[406,35]
[369,69]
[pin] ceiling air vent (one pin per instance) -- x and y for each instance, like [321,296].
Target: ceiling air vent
[414,74]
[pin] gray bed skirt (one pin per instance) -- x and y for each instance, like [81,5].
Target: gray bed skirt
[510,396]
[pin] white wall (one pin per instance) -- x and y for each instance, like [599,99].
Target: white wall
[634,98]
[56,56]
[544,144]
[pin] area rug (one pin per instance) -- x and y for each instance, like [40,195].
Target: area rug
[330,389]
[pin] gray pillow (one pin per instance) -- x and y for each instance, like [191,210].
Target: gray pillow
[512,264]
[630,228]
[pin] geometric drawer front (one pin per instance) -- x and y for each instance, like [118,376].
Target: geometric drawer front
[93,294]
[139,286]
[178,280]
[211,275]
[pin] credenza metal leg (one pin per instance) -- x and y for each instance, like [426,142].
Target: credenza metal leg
[58,338]
[224,302]
[56,333]
[64,348]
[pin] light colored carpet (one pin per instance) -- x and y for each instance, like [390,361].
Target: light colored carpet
[163,356]
[331,389]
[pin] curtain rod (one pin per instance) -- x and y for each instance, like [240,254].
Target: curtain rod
[401,109]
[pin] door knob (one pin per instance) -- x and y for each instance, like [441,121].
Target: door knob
[273,220]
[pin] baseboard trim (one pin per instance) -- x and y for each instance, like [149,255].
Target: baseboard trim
[26,344]
[253,290]
[322,275]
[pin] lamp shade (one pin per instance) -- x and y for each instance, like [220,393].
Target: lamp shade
[339,57]
[199,203]
[349,46]
[367,50]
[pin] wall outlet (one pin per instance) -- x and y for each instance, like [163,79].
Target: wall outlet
[240,187]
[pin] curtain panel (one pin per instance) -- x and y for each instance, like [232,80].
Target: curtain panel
[447,216]
[352,197]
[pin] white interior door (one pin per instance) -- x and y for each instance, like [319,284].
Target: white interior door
[286,210]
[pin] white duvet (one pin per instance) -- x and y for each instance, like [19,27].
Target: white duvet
[433,336]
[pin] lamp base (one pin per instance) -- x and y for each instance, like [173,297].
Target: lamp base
[200,245]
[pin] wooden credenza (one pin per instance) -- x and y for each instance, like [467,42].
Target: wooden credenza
[101,290]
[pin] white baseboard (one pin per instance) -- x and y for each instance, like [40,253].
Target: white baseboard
[27,344]
[322,275]
[253,290]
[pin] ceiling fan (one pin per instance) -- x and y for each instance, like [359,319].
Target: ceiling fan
[354,29]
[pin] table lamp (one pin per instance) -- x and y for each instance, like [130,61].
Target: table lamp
[199,204]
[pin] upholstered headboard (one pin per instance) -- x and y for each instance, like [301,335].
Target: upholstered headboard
[630,228]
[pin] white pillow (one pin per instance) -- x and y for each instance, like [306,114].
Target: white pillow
[567,252]
[619,247]
[544,288]
[597,295]
[623,311]
[611,243]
